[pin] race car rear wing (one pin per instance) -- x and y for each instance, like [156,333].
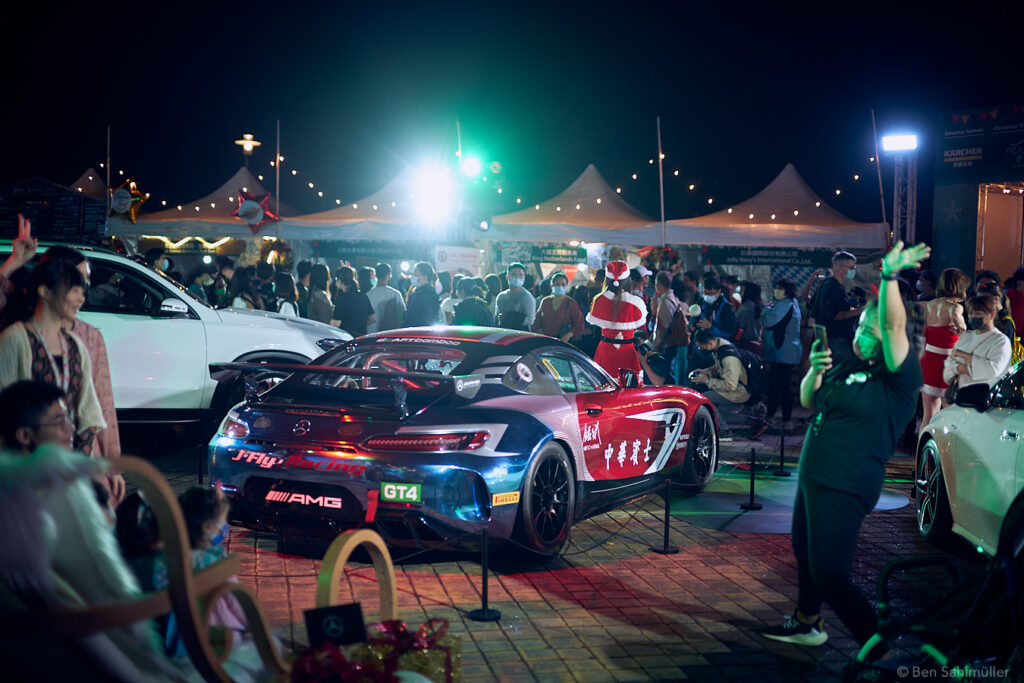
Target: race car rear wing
[464,386]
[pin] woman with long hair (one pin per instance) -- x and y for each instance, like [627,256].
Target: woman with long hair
[286,294]
[44,348]
[320,306]
[352,309]
[944,323]
[244,291]
[618,313]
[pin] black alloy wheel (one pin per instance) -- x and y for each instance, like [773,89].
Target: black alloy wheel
[934,520]
[549,501]
[701,453]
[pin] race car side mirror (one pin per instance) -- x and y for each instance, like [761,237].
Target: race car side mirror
[627,378]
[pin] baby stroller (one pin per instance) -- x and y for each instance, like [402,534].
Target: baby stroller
[975,632]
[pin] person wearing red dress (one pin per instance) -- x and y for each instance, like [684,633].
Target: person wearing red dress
[618,313]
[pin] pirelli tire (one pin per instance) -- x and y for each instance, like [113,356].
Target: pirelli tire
[548,501]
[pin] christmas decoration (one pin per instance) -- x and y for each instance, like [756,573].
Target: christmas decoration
[254,209]
[126,200]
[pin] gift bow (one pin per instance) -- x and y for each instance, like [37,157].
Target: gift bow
[327,663]
[427,636]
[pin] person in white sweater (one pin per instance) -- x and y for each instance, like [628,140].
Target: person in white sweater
[982,354]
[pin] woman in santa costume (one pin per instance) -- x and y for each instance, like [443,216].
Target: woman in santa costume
[618,313]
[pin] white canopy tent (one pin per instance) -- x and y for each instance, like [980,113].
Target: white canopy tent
[390,213]
[91,184]
[589,210]
[209,216]
[787,213]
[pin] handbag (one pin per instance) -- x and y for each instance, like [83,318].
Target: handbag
[950,393]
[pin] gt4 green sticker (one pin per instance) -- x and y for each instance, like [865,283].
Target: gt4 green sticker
[400,493]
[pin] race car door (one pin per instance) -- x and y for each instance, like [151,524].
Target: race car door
[621,439]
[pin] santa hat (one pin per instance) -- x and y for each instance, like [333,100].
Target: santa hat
[616,270]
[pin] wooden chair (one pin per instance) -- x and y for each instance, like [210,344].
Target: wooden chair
[183,596]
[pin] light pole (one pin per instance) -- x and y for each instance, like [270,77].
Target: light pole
[904,189]
[247,143]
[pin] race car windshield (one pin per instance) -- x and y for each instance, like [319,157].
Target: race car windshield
[397,361]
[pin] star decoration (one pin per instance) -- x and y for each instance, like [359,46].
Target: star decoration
[126,200]
[952,212]
[254,209]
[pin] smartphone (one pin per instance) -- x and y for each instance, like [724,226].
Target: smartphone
[820,334]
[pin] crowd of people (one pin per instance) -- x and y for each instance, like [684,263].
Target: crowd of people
[908,345]
[707,330]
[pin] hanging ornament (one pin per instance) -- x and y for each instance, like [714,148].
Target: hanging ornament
[254,209]
[126,200]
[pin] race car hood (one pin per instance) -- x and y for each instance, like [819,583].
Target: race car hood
[265,320]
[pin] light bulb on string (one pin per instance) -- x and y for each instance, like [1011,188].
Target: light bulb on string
[856,176]
[598,200]
[692,186]
[661,156]
[294,172]
[618,190]
[751,216]
[320,193]
[729,210]
[675,173]
[634,176]
[710,200]
[796,212]
[519,200]
[817,203]
[338,202]
[650,161]
[838,192]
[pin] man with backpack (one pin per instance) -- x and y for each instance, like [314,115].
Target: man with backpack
[737,378]
[666,309]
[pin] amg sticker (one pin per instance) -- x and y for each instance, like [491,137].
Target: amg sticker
[303,499]
[504,498]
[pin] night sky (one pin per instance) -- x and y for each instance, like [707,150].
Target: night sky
[363,89]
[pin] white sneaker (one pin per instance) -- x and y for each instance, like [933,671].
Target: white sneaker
[795,631]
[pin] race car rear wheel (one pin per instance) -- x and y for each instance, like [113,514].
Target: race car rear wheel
[549,500]
[934,520]
[701,453]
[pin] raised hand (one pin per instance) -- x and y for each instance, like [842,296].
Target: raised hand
[24,246]
[901,257]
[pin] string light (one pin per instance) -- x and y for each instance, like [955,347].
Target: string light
[577,207]
[598,200]
[710,200]
[729,210]
[817,203]
[337,201]
[519,200]
[692,186]
[796,212]
[310,186]
[838,192]
[294,172]
[773,216]
[650,161]
[856,176]
[751,216]
[634,176]
[618,190]
[558,208]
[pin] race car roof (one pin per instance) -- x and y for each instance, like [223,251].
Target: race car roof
[491,335]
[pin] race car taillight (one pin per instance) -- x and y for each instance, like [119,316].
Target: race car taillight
[233,427]
[466,441]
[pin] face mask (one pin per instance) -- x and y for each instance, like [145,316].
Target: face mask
[559,290]
[221,535]
[975,323]
[710,298]
[919,286]
[421,280]
[869,346]
[779,294]
[738,296]
[851,274]
[219,292]
[516,281]
[373,282]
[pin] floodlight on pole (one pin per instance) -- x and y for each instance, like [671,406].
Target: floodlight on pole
[901,142]
[434,195]
[904,188]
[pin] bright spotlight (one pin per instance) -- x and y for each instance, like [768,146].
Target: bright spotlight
[903,142]
[207,259]
[484,225]
[472,167]
[405,266]
[435,195]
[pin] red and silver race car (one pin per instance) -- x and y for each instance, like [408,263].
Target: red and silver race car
[432,433]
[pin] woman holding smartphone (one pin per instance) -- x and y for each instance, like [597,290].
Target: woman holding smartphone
[861,407]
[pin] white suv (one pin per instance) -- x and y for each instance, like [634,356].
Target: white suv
[161,339]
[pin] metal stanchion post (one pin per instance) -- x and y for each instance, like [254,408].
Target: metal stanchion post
[751,505]
[199,465]
[665,548]
[484,613]
[781,472]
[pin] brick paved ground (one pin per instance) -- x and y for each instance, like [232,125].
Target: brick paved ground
[609,609]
